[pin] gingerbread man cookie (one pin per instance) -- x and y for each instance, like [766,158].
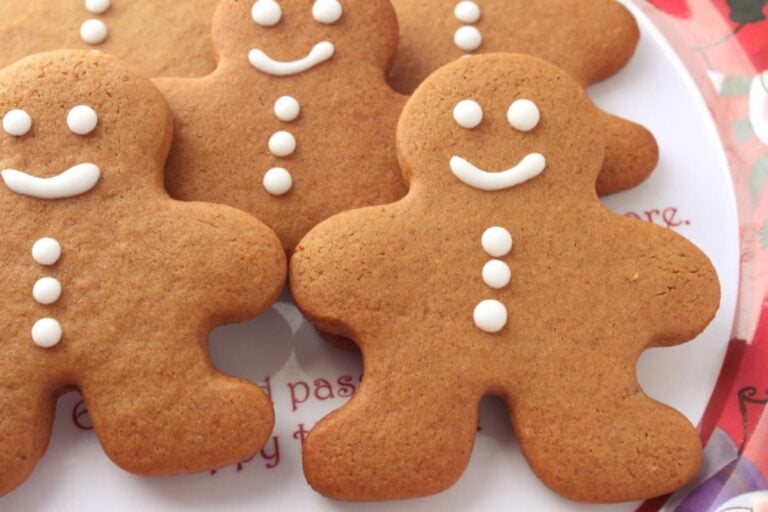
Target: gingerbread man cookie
[591,39]
[501,273]
[158,37]
[112,287]
[296,115]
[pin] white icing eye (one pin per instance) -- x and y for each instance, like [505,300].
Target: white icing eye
[97,6]
[17,123]
[82,120]
[468,114]
[524,115]
[266,13]
[467,12]
[327,11]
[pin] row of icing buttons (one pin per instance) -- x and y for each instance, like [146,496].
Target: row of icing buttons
[46,332]
[94,31]
[468,38]
[491,315]
[278,181]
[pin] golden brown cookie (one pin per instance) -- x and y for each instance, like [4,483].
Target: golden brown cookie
[591,39]
[516,283]
[158,37]
[112,287]
[298,110]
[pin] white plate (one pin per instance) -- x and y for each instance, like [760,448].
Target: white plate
[692,190]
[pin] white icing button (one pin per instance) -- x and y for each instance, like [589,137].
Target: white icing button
[82,120]
[468,39]
[47,290]
[327,11]
[287,109]
[17,123]
[497,241]
[468,114]
[490,316]
[278,181]
[46,251]
[282,144]
[266,13]
[523,115]
[467,12]
[496,274]
[94,31]
[97,6]
[46,333]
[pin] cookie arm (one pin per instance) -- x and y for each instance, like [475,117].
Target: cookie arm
[240,265]
[335,273]
[674,287]
[631,155]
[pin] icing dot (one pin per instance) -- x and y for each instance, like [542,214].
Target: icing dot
[467,12]
[327,11]
[47,290]
[17,123]
[497,241]
[496,274]
[94,31]
[46,251]
[523,115]
[287,108]
[266,13]
[282,144]
[490,316]
[46,333]
[278,181]
[82,120]
[468,114]
[468,39]
[97,6]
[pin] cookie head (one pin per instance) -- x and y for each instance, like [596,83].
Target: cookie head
[290,37]
[78,121]
[529,122]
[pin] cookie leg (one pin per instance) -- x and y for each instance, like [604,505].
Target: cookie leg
[177,418]
[607,446]
[25,428]
[631,155]
[405,434]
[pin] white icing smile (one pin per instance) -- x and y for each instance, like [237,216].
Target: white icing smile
[70,183]
[528,168]
[320,53]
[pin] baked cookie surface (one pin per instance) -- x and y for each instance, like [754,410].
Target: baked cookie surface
[112,287]
[295,113]
[501,273]
[590,39]
[157,37]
